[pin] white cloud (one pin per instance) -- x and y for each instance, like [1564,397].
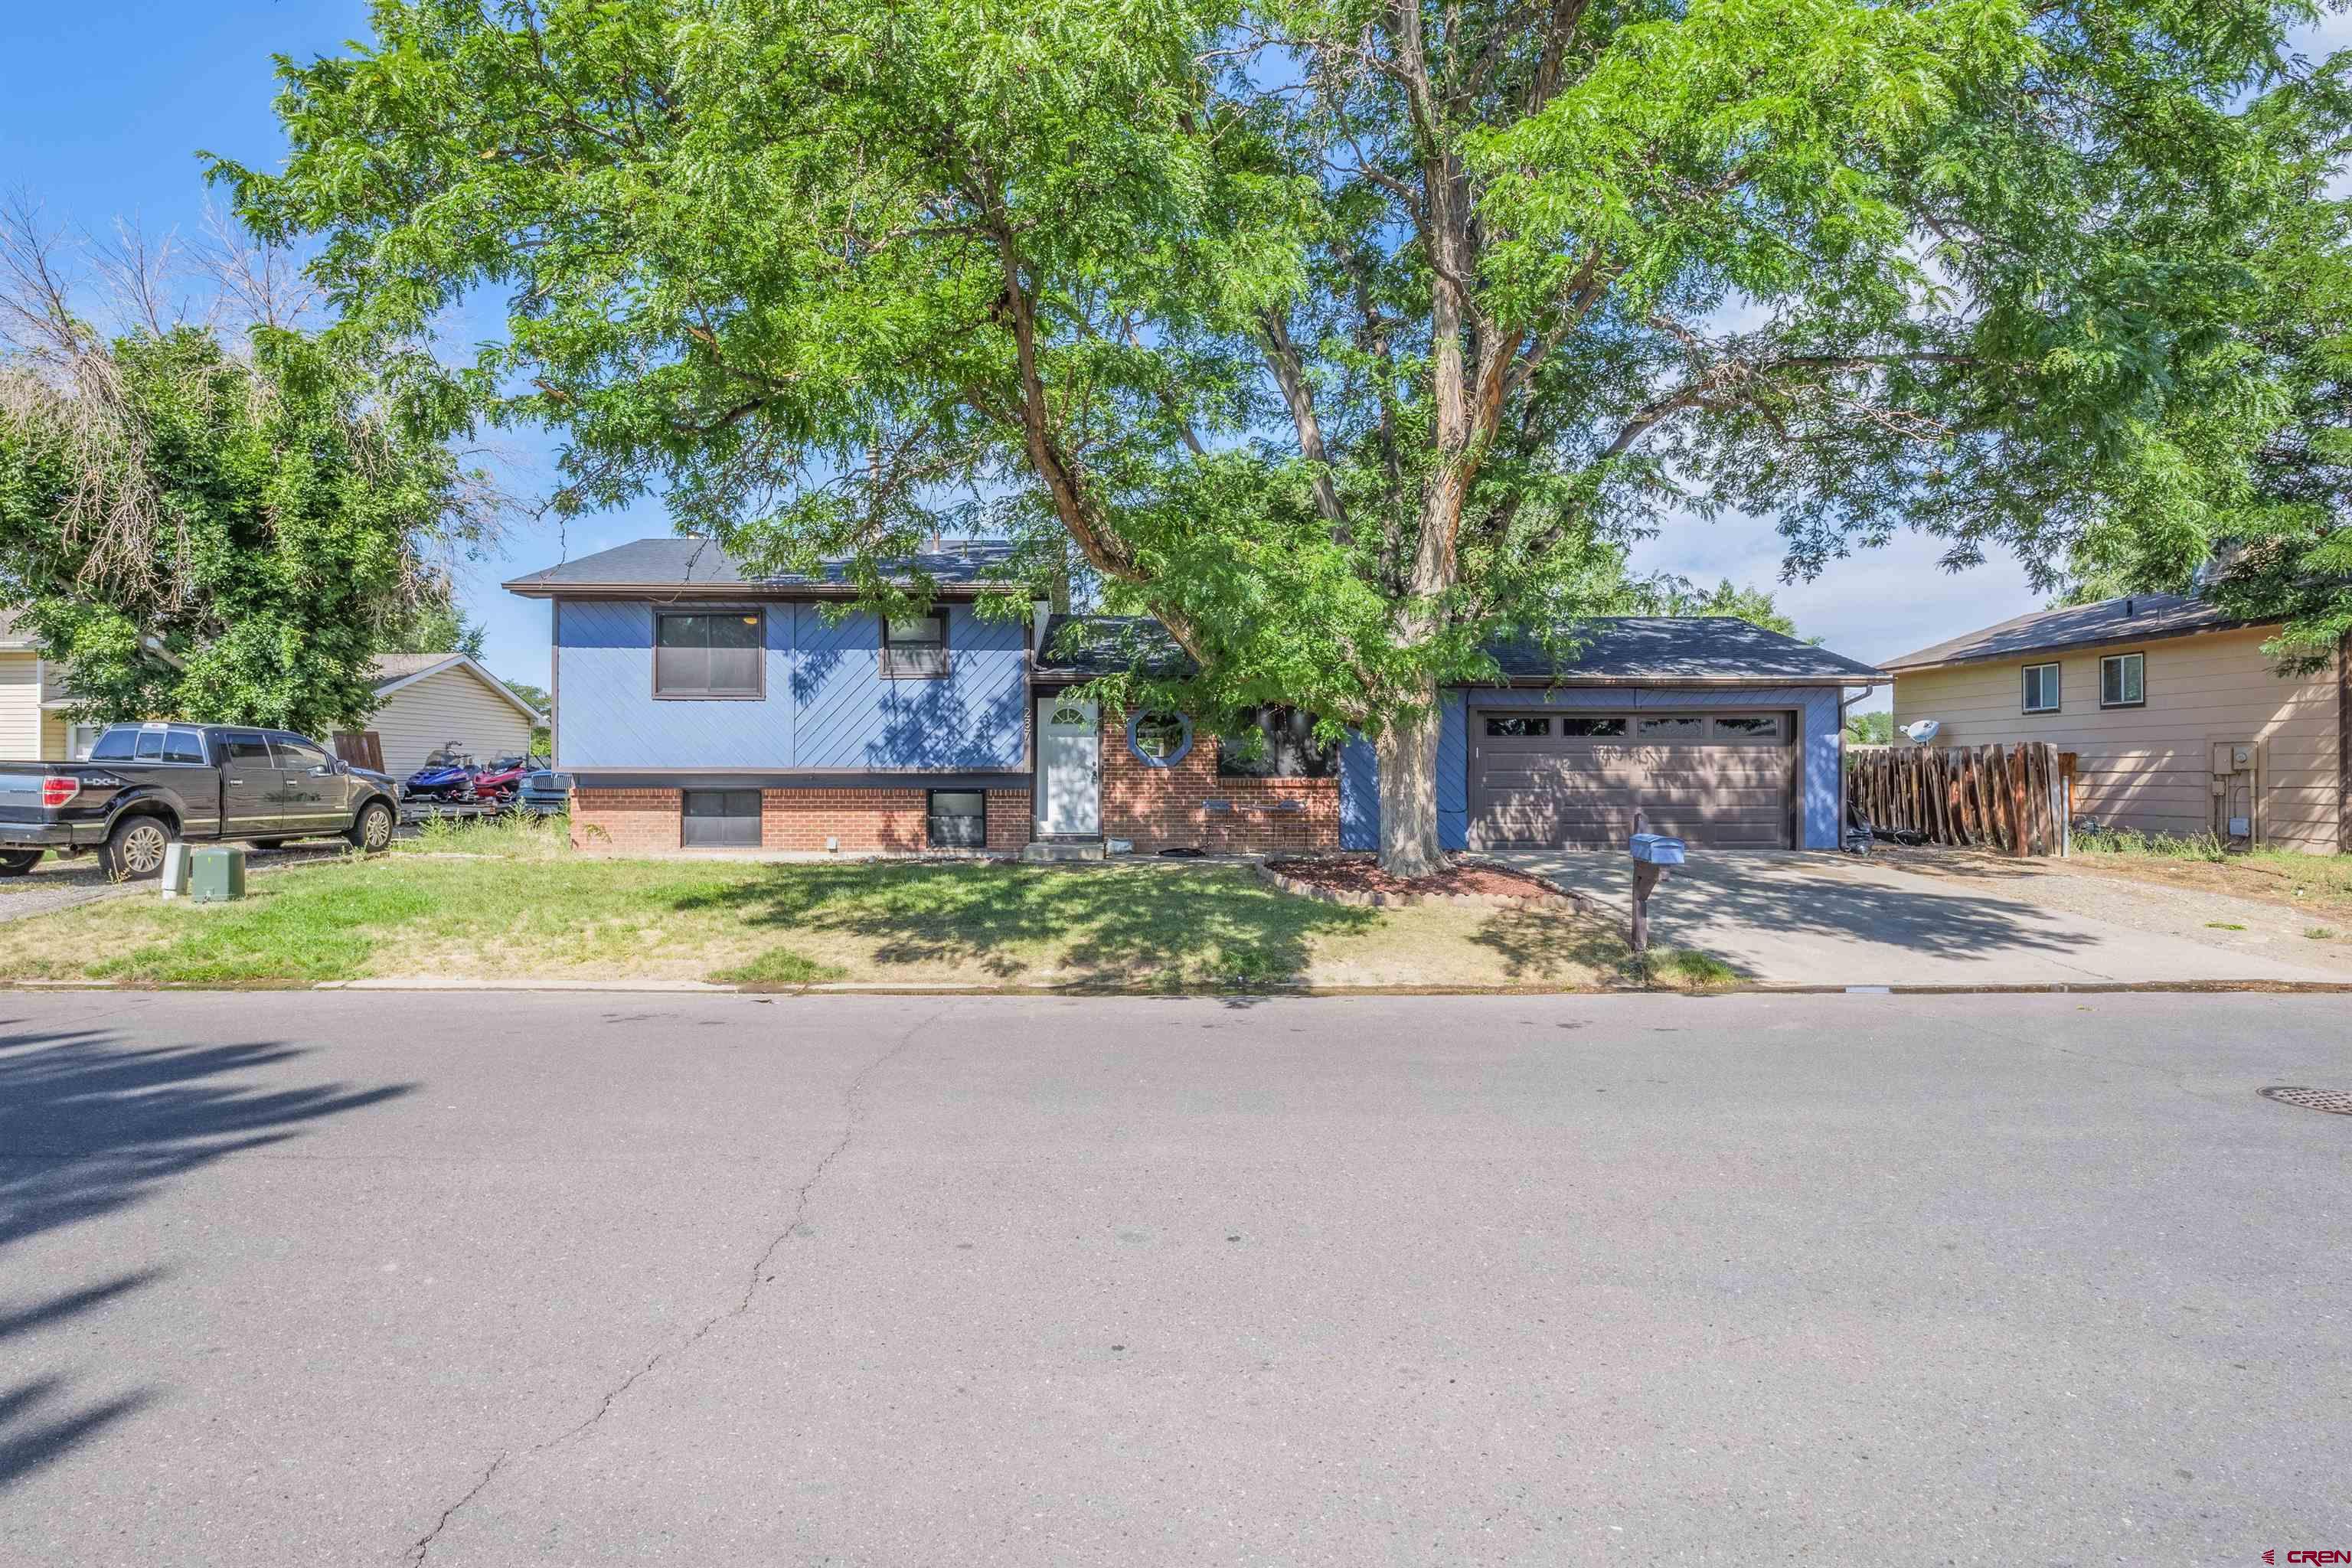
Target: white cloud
[1873,604]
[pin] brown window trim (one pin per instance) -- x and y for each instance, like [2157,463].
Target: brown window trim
[947,658]
[2118,707]
[653,675]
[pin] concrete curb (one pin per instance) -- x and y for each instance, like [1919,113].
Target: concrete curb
[452,983]
[888,988]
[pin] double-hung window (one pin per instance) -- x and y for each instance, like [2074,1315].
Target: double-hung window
[2123,680]
[915,647]
[2040,694]
[708,653]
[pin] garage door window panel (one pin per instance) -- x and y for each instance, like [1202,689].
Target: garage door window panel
[1725,779]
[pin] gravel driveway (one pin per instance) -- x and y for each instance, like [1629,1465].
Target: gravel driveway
[57,884]
[2082,887]
[1826,920]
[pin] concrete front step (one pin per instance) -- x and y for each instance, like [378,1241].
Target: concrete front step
[1064,849]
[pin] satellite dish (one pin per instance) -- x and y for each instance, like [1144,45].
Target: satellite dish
[1922,730]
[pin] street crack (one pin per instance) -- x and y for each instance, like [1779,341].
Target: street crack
[853,1098]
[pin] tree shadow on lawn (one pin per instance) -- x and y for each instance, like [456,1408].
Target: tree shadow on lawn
[1115,926]
[1540,944]
[88,1127]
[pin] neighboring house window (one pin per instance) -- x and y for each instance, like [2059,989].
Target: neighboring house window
[2042,688]
[79,739]
[710,654]
[1161,740]
[915,647]
[1523,726]
[2123,680]
[959,819]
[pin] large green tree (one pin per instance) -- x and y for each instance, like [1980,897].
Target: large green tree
[1341,335]
[203,527]
[2266,529]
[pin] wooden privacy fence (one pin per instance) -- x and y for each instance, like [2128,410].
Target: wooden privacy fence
[2010,798]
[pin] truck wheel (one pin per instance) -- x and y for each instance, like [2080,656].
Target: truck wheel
[16,862]
[372,832]
[135,850]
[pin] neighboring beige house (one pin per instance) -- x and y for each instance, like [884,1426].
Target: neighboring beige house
[22,683]
[2179,722]
[432,701]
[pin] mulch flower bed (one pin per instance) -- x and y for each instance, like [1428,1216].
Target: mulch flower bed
[1359,880]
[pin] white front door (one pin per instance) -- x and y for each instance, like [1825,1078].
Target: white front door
[1070,766]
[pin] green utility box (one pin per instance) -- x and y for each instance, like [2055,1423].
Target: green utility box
[216,873]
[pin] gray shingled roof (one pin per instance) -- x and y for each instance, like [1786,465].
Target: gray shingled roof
[1680,648]
[1084,646]
[2137,618]
[1660,648]
[675,563]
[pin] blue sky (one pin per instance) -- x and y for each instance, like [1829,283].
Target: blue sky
[124,94]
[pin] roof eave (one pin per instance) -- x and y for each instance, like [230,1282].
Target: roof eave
[1900,667]
[526,588]
[1857,678]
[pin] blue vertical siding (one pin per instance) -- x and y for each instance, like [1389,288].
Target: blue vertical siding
[1359,782]
[849,716]
[826,705]
[1817,710]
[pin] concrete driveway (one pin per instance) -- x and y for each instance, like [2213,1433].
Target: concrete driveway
[1786,919]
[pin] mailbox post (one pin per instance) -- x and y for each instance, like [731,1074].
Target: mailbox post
[1653,853]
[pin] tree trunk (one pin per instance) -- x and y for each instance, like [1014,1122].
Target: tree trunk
[1407,751]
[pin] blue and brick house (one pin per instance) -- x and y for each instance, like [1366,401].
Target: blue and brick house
[700,707]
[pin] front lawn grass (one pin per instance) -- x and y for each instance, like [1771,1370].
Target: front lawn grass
[515,903]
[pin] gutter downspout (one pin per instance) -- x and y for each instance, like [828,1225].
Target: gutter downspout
[1844,703]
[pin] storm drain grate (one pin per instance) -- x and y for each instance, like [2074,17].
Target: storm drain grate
[2334,1101]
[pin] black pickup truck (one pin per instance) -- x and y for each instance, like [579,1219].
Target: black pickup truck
[147,784]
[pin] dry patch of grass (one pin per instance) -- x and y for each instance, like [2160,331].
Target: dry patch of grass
[512,901]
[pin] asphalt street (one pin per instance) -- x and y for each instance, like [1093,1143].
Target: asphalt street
[478,1280]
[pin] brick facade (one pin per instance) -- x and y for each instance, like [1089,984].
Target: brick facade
[863,821]
[1188,804]
[626,821]
[798,821]
[1011,818]
[1157,808]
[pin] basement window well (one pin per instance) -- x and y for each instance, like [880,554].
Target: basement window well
[720,819]
[959,819]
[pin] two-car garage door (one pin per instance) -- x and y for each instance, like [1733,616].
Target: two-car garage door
[1722,780]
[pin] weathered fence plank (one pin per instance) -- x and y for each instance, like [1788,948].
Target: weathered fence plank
[2010,798]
